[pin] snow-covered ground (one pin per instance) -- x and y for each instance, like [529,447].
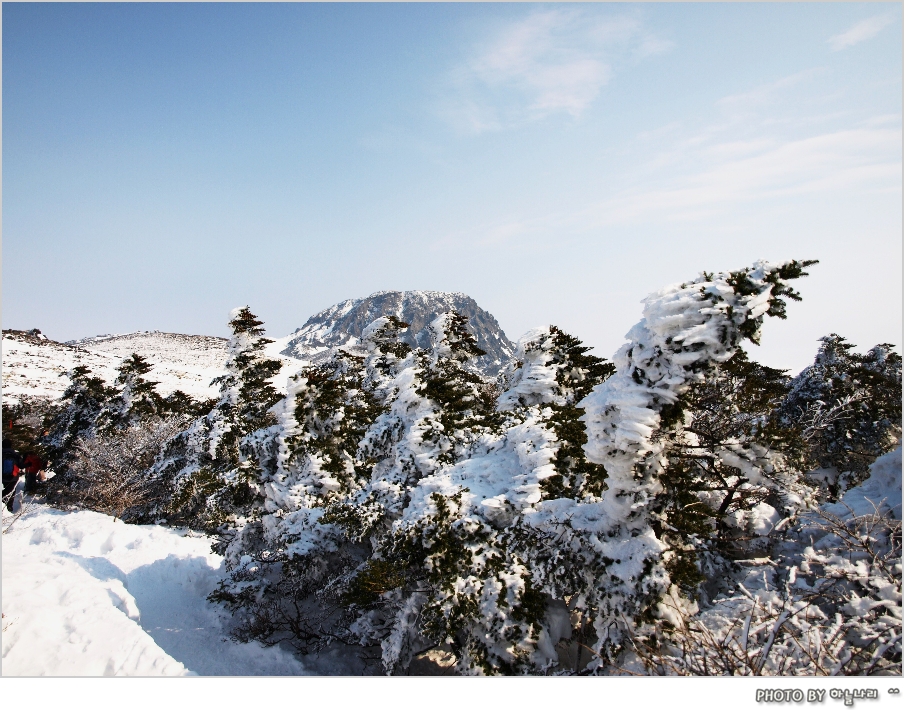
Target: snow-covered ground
[87,595]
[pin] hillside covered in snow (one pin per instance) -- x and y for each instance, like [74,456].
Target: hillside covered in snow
[36,366]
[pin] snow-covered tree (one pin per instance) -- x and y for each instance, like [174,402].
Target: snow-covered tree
[76,414]
[355,439]
[217,464]
[287,570]
[136,397]
[847,407]
[710,510]
[123,422]
[688,330]
[556,371]
[591,508]
[463,565]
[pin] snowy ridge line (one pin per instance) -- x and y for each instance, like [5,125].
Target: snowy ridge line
[107,338]
[38,366]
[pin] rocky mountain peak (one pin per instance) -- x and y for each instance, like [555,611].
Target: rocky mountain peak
[342,325]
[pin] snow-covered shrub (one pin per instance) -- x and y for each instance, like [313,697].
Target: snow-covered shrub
[355,437]
[829,603]
[462,565]
[89,407]
[334,428]
[76,413]
[848,407]
[112,469]
[710,510]
[567,511]
[136,398]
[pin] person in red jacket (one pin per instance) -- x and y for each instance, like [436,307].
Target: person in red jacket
[34,470]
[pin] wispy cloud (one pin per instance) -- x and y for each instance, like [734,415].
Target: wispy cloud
[761,171]
[728,178]
[861,31]
[747,102]
[755,156]
[550,62]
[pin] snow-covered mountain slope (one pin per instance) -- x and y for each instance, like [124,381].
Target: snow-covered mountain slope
[35,365]
[185,362]
[202,351]
[342,324]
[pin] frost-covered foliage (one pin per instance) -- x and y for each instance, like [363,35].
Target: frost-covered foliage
[651,515]
[76,413]
[424,548]
[501,531]
[136,398]
[849,409]
[827,603]
[216,465]
[482,573]
[634,418]
[96,421]
[285,567]
[111,470]
[711,510]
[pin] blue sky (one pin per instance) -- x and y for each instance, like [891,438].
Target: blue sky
[165,163]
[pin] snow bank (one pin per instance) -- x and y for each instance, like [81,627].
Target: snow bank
[84,595]
[882,488]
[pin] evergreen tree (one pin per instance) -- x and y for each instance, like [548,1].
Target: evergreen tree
[847,407]
[465,568]
[287,570]
[555,370]
[406,509]
[635,417]
[180,404]
[731,471]
[136,399]
[355,439]
[76,414]
[454,387]
[217,464]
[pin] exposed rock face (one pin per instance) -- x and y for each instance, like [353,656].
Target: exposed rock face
[342,325]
